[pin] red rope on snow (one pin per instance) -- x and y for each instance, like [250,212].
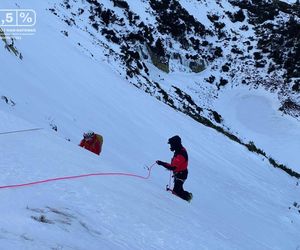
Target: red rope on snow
[79,176]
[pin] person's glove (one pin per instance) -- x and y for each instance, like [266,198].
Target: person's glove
[165,165]
[161,163]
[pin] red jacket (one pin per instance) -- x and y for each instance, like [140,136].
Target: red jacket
[94,145]
[179,160]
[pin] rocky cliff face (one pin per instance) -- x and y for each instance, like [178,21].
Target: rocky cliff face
[224,42]
[277,28]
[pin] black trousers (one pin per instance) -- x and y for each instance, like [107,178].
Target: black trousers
[179,179]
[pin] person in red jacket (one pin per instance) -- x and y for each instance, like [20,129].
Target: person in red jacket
[92,142]
[178,165]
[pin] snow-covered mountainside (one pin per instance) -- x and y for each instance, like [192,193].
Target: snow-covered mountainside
[185,53]
[73,75]
[189,53]
[234,42]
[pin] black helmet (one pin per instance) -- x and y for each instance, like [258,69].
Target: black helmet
[175,141]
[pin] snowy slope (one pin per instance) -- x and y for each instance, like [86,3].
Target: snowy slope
[240,201]
[234,64]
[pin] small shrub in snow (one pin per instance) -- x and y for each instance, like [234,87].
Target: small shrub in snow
[211,79]
[251,147]
[121,4]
